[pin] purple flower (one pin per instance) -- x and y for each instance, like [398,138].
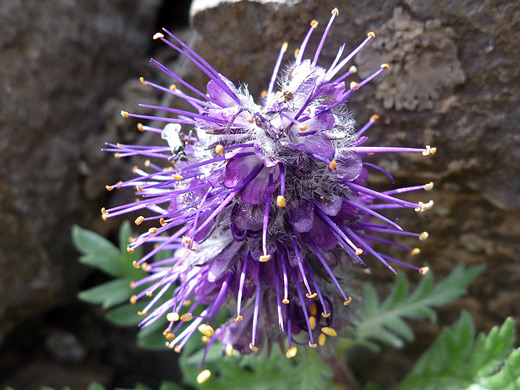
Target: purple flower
[260,202]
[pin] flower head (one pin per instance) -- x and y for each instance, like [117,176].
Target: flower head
[261,201]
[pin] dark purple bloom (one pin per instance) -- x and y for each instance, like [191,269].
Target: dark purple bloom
[262,201]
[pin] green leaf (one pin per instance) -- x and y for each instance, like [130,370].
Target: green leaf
[170,386]
[108,294]
[385,322]
[257,371]
[95,386]
[98,251]
[456,361]
[126,315]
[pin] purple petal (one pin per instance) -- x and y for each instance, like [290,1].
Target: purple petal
[301,215]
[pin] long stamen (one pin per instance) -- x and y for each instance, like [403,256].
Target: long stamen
[239,317]
[304,307]
[276,68]
[327,268]
[299,57]
[334,13]
[252,346]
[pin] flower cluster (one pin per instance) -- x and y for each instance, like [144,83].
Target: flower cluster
[260,201]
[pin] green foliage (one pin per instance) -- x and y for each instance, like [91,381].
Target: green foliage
[384,322]
[458,361]
[100,253]
[261,371]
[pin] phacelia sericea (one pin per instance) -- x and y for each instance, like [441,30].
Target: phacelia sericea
[259,203]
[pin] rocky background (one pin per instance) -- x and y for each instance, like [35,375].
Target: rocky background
[69,67]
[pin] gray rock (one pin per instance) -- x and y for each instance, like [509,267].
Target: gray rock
[60,60]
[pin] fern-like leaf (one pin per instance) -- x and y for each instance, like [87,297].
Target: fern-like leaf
[456,361]
[385,322]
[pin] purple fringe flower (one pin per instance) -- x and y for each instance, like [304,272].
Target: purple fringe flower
[258,200]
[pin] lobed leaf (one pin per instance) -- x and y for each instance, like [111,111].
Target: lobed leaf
[456,361]
[385,322]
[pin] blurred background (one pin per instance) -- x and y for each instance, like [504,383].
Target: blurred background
[69,67]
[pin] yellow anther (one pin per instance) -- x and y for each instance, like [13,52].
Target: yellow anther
[312,322]
[117,155]
[173,87]
[385,66]
[163,222]
[280,201]
[428,186]
[134,263]
[177,349]
[265,258]
[311,296]
[149,293]
[124,114]
[329,331]
[109,188]
[263,94]
[219,149]
[177,177]
[424,270]
[142,80]
[135,168]
[334,12]
[173,317]
[313,309]
[325,315]
[140,127]
[429,150]
[253,348]
[291,352]
[313,345]
[251,120]
[349,299]
[374,118]
[153,230]
[170,336]
[284,46]
[203,376]
[333,164]
[129,249]
[132,284]
[285,301]
[138,188]
[303,127]
[186,240]
[371,35]
[296,52]
[206,330]
[142,313]
[187,302]
[205,339]
[139,220]
[423,236]
[186,317]
[146,267]
[158,36]
[359,251]
[321,339]
[147,163]
[352,69]
[133,299]
[229,350]
[354,85]
[238,318]
[415,251]
[104,211]
[314,23]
